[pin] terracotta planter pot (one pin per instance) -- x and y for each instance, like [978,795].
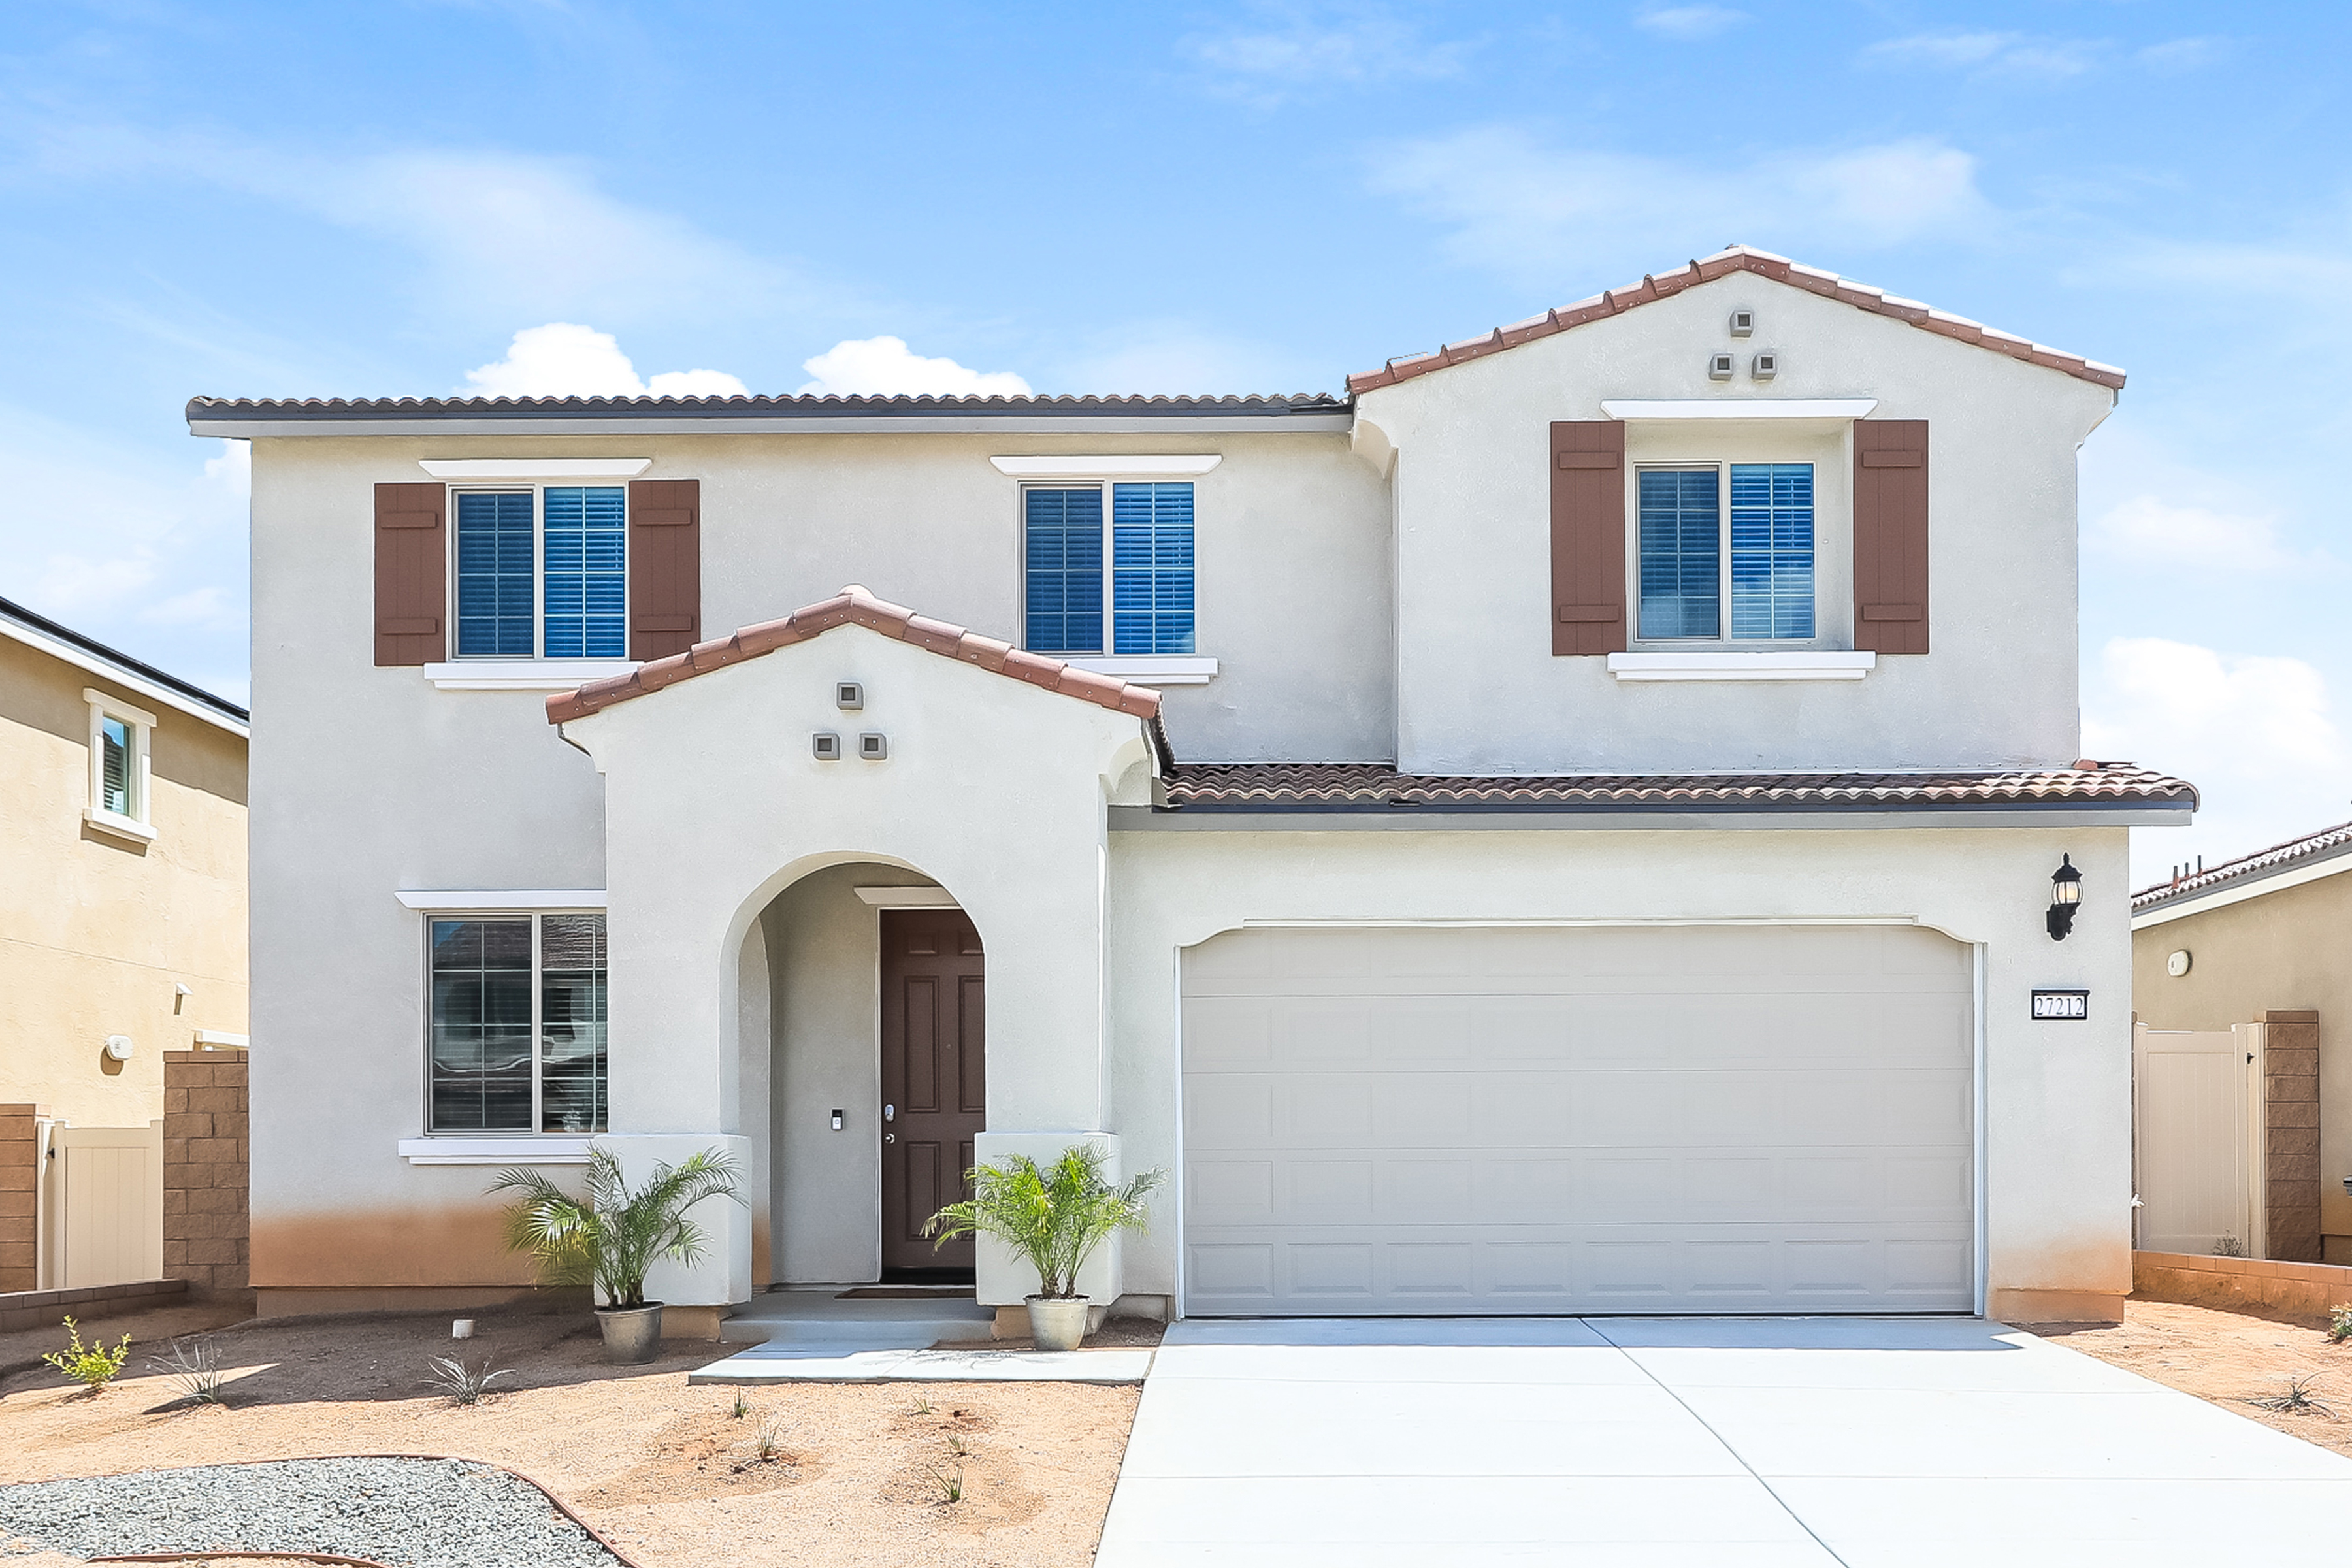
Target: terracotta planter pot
[631,1334]
[1057,1324]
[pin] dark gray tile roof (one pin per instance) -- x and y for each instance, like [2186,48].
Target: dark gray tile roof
[799,406]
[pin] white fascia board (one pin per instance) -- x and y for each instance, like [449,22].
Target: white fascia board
[124,678]
[535,468]
[1150,670]
[2238,893]
[907,898]
[471,1151]
[468,901]
[1334,424]
[1806,664]
[1471,819]
[1142,465]
[1739,407]
[523,674]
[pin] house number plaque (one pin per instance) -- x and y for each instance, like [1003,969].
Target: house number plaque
[2073,1005]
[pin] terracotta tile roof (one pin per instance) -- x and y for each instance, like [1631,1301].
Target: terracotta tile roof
[2327,844]
[1345,786]
[745,407]
[1739,258]
[855,607]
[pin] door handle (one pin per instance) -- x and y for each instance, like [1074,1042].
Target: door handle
[889,1137]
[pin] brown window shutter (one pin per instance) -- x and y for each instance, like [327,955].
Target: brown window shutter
[412,555]
[1890,535]
[665,566]
[1588,536]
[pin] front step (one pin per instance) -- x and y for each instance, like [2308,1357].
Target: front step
[914,1332]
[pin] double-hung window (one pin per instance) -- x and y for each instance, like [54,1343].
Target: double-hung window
[1108,568]
[1690,545]
[118,766]
[517,1033]
[542,573]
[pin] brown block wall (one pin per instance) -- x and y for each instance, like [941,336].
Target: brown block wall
[19,1198]
[2291,1133]
[206,1221]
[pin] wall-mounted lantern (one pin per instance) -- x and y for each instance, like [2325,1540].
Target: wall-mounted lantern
[2066,898]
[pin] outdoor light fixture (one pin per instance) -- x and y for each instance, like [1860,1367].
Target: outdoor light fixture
[2065,897]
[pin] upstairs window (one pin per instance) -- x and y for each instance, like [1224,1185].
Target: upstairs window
[1685,536]
[517,1032]
[1146,574]
[118,765]
[559,591]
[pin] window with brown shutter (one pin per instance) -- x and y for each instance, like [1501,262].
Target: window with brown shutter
[1890,535]
[665,566]
[411,558]
[1588,537]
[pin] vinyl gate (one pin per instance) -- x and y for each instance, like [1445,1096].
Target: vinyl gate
[2197,1144]
[106,1193]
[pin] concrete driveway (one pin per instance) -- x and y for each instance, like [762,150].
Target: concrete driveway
[1711,1443]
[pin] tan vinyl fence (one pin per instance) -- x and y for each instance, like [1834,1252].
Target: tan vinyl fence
[105,1205]
[2196,1138]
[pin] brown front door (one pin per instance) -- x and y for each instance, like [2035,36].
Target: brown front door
[934,1088]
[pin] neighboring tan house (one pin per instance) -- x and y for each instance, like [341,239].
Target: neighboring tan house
[123,935]
[2240,974]
[1568,826]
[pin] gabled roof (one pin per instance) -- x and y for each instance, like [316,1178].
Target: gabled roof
[856,606]
[60,641]
[2243,875]
[1262,787]
[1739,258]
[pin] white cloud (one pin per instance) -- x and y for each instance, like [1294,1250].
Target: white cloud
[233,468]
[2150,531]
[1688,21]
[563,359]
[1515,203]
[1989,54]
[1316,45]
[2178,55]
[886,367]
[1175,357]
[2255,734]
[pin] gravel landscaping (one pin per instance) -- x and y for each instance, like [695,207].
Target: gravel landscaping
[410,1513]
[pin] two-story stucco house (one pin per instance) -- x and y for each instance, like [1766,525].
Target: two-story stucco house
[1569,826]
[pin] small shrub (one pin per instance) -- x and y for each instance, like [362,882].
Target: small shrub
[742,1406]
[468,1378]
[2297,1399]
[2229,1246]
[922,1405]
[2339,1325]
[92,1365]
[194,1367]
[950,1483]
[957,1447]
[768,1448]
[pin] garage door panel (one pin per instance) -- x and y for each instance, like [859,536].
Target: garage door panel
[1581,1120]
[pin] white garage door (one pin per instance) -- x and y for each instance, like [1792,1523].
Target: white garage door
[1675,1119]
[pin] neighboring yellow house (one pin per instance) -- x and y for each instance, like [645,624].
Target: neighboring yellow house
[123,935]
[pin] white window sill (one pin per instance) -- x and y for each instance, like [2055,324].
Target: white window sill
[1807,664]
[120,826]
[1150,670]
[467,901]
[523,674]
[521,1151]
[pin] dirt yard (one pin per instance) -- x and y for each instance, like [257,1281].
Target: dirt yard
[2231,1360]
[859,1474]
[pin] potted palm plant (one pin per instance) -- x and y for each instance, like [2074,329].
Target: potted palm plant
[1053,1215]
[611,1239]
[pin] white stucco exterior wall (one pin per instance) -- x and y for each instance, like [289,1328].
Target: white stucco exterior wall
[2056,1105]
[1479,690]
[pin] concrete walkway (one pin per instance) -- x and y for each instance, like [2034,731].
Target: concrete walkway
[1694,1443]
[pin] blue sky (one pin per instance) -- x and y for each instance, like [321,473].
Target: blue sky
[308,200]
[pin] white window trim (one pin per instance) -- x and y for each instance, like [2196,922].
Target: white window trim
[525,1140]
[906,897]
[535,468]
[501,900]
[1150,669]
[463,670]
[1723,641]
[1142,668]
[522,674]
[1839,408]
[1796,664]
[1118,466]
[138,824]
[468,1149]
